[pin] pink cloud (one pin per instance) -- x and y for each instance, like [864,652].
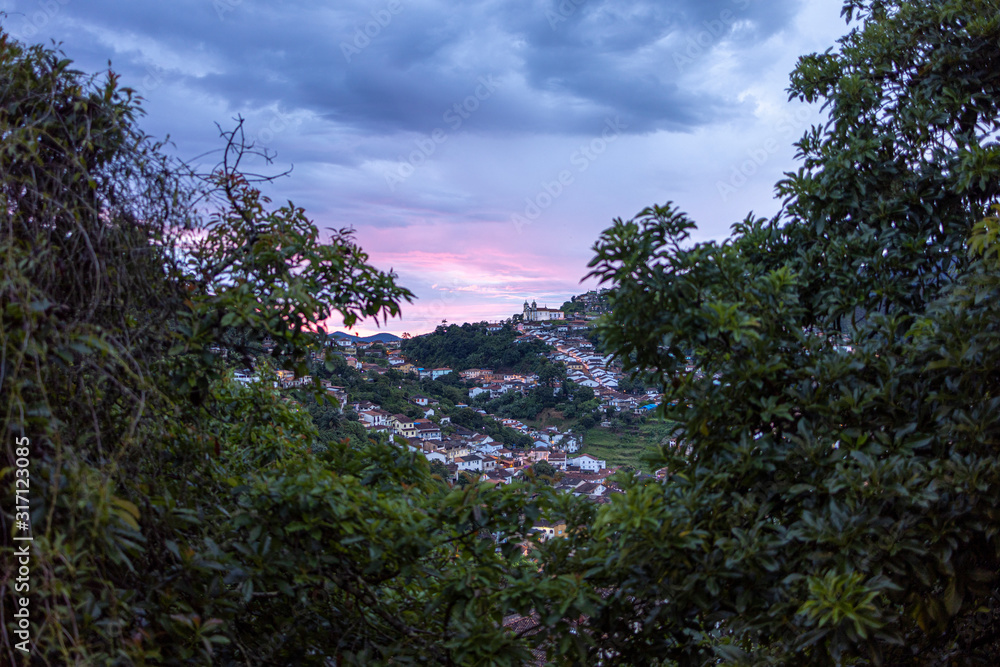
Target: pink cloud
[482,283]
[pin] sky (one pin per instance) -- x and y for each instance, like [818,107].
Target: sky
[478,148]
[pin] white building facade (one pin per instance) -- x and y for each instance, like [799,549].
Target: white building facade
[532,313]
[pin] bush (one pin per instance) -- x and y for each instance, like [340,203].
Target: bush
[179,517]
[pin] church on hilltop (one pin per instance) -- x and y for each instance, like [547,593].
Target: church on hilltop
[533,313]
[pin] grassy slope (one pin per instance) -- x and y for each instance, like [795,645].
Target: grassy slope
[625,448]
[550,417]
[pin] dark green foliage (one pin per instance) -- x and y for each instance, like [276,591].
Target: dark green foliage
[180,517]
[573,401]
[382,390]
[448,388]
[550,373]
[833,497]
[332,422]
[836,493]
[472,420]
[572,308]
[439,469]
[631,385]
[515,406]
[472,346]
[544,470]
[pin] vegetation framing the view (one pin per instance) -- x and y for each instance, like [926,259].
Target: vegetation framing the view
[832,487]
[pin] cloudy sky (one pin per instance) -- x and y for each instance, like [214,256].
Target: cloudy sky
[479,147]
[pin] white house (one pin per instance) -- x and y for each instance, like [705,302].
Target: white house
[511,474]
[590,489]
[245,377]
[435,455]
[587,462]
[431,454]
[374,417]
[469,462]
[428,431]
[558,459]
[489,448]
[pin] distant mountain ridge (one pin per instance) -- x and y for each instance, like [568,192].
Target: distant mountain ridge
[375,338]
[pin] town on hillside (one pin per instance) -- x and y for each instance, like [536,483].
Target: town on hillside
[458,417]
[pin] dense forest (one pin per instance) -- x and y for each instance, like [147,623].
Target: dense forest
[471,346]
[831,497]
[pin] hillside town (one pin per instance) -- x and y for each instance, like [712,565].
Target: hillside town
[479,456]
[467,454]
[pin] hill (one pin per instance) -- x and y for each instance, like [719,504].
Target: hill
[375,338]
[473,346]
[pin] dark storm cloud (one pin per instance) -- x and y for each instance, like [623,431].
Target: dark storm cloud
[352,93]
[385,66]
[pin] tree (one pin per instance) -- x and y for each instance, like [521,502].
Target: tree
[472,346]
[179,517]
[550,372]
[571,307]
[834,495]
[543,469]
[583,394]
[439,469]
[466,479]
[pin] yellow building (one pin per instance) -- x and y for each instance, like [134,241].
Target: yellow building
[404,426]
[550,529]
